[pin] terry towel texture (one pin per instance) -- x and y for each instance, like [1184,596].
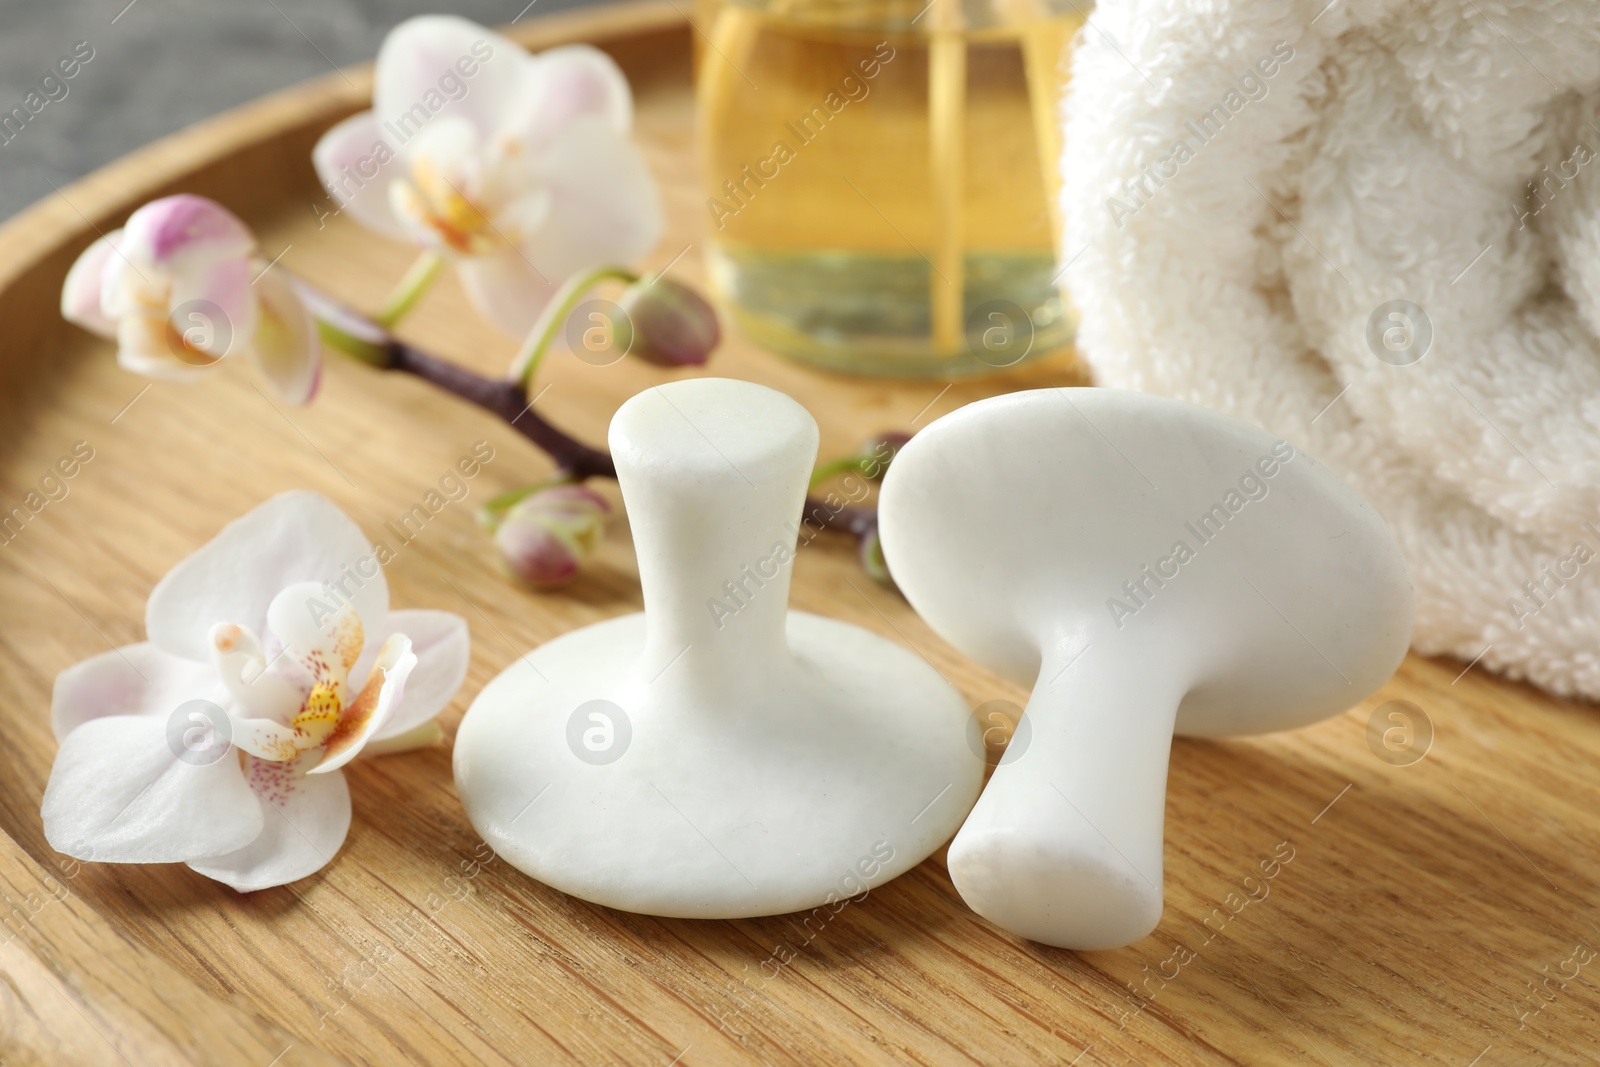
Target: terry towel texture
[1272,205]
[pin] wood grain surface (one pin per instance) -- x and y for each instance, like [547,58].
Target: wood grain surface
[1426,913]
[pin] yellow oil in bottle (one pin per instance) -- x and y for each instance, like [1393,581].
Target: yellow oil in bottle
[881,178]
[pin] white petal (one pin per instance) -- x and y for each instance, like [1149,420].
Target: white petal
[146,345]
[444,183]
[323,638]
[422,75]
[372,707]
[305,822]
[119,793]
[132,680]
[294,537]
[451,146]
[267,739]
[605,208]
[506,290]
[356,163]
[443,647]
[80,293]
[286,351]
[237,660]
[529,210]
[212,308]
[563,85]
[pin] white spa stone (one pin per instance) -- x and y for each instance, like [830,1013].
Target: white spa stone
[1148,567]
[699,761]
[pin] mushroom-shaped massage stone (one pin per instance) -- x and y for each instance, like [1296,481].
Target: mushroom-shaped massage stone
[1148,567]
[718,755]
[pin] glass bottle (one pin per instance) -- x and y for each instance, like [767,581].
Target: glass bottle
[882,178]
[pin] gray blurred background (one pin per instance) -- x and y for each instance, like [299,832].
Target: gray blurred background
[159,65]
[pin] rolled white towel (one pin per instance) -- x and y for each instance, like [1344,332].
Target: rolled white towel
[1270,205]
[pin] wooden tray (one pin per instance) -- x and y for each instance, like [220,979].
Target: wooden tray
[1421,907]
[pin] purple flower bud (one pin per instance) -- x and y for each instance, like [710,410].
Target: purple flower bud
[673,326]
[544,537]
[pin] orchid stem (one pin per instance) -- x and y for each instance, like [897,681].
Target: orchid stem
[827,470]
[418,279]
[359,348]
[506,399]
[575,461]
[526,366]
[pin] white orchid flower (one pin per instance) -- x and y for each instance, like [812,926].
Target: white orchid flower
[180,288]
[272,660]
[517,167]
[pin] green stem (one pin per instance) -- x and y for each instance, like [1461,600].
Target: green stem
[357,347]
[410,289]
[835,466]
[526,365]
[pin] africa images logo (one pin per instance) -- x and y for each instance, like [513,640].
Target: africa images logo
[1252,86]
[1252,485]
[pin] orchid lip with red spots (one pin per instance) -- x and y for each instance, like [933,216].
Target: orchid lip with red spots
[303,674]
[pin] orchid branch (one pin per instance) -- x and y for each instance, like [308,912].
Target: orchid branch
[575,461]
[507,399]
[275,321]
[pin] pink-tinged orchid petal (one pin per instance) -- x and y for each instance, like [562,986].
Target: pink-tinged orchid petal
[293,537]
[563,85]
[437,66]
[443,648]
[119,793]
[80,294]
[605,208]
[357,162]
[506,290]
[185,232]
[212,308]
[177,327]
[305,823]
[287,352]
[371,708]
[132,680]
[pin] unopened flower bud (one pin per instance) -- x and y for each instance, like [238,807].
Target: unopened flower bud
[544,537]
[872,558]
[673,325]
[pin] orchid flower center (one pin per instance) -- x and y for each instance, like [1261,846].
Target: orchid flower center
[471,196]
[318,716]
[151,297]
[441,205]
[300,699]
